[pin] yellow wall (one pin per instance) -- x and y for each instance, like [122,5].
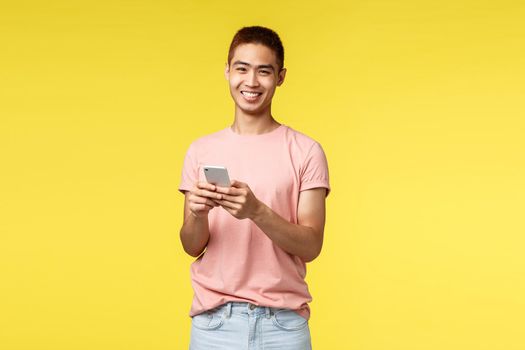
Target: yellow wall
[418,105]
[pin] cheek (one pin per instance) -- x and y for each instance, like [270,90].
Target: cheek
[270,89]
[269,84]
[234,81]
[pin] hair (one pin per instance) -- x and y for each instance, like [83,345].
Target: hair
[258,35]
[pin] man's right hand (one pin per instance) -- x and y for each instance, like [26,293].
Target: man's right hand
[201,199]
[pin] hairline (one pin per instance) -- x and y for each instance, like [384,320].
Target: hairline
[280,67]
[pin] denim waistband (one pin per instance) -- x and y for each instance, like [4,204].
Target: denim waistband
[246,308]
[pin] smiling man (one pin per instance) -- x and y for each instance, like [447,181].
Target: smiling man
[252,240]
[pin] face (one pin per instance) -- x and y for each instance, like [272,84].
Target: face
[253,75]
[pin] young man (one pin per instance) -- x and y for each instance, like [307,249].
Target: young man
[254,238]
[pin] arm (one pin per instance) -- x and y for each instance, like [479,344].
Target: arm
[304,239]
[195,233]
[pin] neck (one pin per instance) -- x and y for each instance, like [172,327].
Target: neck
[247,124]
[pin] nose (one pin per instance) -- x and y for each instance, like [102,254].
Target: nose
[251,79]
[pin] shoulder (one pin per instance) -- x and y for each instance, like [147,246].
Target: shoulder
[301,142]
[299,136]
[207,140]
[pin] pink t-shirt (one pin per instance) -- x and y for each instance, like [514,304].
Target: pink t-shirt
[240,262]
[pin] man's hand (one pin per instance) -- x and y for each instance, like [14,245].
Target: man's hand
[201,199]
[304,239]
[238,200]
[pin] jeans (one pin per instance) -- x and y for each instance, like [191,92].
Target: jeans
[244,326]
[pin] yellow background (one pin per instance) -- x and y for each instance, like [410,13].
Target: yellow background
[418,105]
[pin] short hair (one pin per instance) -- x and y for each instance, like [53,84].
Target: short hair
[258,35]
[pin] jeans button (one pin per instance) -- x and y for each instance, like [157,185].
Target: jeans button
[252,306]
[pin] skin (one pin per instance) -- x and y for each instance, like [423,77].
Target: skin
[254,68]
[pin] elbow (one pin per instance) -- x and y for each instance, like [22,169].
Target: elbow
[193,253]
[313,254]
[311,257]
[189,247]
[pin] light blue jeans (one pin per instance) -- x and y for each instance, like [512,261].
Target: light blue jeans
[244,326]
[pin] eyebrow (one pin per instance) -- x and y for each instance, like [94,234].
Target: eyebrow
[249,65]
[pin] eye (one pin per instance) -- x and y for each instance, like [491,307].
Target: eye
[241,69]
[265,72]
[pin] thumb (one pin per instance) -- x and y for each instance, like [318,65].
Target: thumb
[238,184]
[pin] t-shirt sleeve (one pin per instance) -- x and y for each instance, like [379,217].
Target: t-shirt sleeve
[315,170]
[190,169]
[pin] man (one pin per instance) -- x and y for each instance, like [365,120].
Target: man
[254,238]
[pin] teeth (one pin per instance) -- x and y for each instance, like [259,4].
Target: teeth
[250,94]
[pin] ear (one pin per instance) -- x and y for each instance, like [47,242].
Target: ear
[227,72]
[280,79]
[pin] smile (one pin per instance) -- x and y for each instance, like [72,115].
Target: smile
[251,94]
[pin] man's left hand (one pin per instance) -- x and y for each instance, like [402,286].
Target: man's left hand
[238,200]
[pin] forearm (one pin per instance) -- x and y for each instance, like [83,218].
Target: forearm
[293,238]
[195,234]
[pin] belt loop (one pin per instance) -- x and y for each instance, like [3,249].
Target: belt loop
[267,310]
[228,311]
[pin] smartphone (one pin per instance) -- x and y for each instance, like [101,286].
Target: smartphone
[217,175]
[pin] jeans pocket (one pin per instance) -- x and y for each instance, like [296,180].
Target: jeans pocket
[208,320]
[289,320]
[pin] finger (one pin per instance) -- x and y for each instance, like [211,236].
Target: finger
[234,199]
[202,207]
[228,204]
[206,185]
[206,193]
[202,200]
[231,211]
[238,184]
[229,190]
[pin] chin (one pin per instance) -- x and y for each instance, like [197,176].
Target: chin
[248,107]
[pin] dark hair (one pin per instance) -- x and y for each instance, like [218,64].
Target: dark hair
[258,35]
